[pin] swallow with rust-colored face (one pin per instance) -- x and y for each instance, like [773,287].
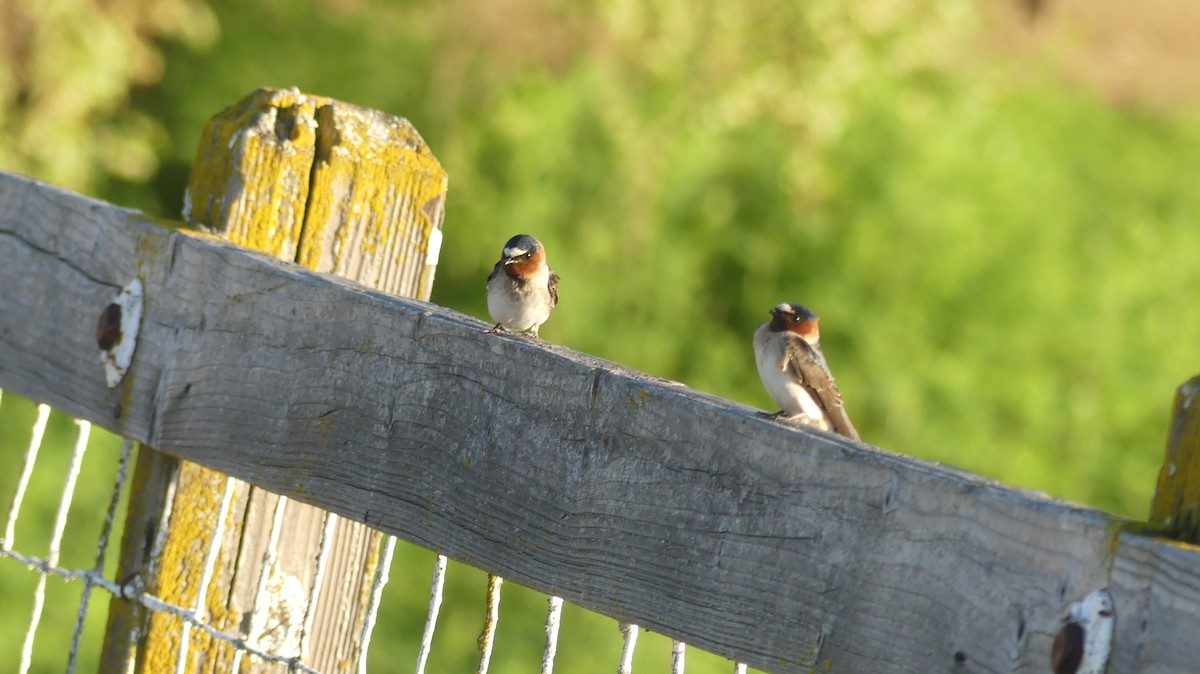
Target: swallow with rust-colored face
[1083,644]
[522,289]
[793,370]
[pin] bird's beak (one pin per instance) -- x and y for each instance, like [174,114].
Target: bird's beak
[509,260]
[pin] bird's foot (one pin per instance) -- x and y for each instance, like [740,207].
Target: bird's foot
[495,330]
[773,416]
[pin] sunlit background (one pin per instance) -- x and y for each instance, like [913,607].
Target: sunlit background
[993,208]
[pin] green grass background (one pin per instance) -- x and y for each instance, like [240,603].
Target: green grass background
[1002,261]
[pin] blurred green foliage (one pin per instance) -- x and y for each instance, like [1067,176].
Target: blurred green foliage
[65,114]
[32,534]
[1002,261]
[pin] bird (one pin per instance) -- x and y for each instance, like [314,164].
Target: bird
[1084,643]
[793,370]
[522,289]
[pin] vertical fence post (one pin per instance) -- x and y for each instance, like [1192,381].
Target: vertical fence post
[1176,506]
[342,190]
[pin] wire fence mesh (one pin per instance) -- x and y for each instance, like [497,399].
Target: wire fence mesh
[287,651]
[129,589]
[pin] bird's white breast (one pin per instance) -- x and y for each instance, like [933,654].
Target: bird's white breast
[520,306]
[770,355]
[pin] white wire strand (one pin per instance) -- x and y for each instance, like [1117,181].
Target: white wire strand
[101,550]
[488,638]
[210,562]
[629,632]
[678,649]
[60,525]
[35,443]
[553,619]
[435,605]
[377,585]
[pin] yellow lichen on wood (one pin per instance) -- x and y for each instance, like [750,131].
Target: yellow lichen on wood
[338,188]
[126,618]
[375,206]
[252,170]
[180,567]
[1176,505]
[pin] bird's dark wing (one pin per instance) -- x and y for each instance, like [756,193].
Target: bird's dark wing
[1067,652]
[496,271]
[809,365]
[553,288]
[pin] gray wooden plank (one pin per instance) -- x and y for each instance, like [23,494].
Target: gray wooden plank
[783,547]
[1157,589]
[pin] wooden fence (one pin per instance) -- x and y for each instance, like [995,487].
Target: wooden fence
[784,548]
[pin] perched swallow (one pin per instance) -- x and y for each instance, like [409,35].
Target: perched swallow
[793,370]
[522,289]
[1085,640]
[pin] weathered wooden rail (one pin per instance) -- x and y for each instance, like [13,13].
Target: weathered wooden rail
[636,497]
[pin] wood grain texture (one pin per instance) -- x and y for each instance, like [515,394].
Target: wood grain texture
[779,546]
[1157,587]
[377,201]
